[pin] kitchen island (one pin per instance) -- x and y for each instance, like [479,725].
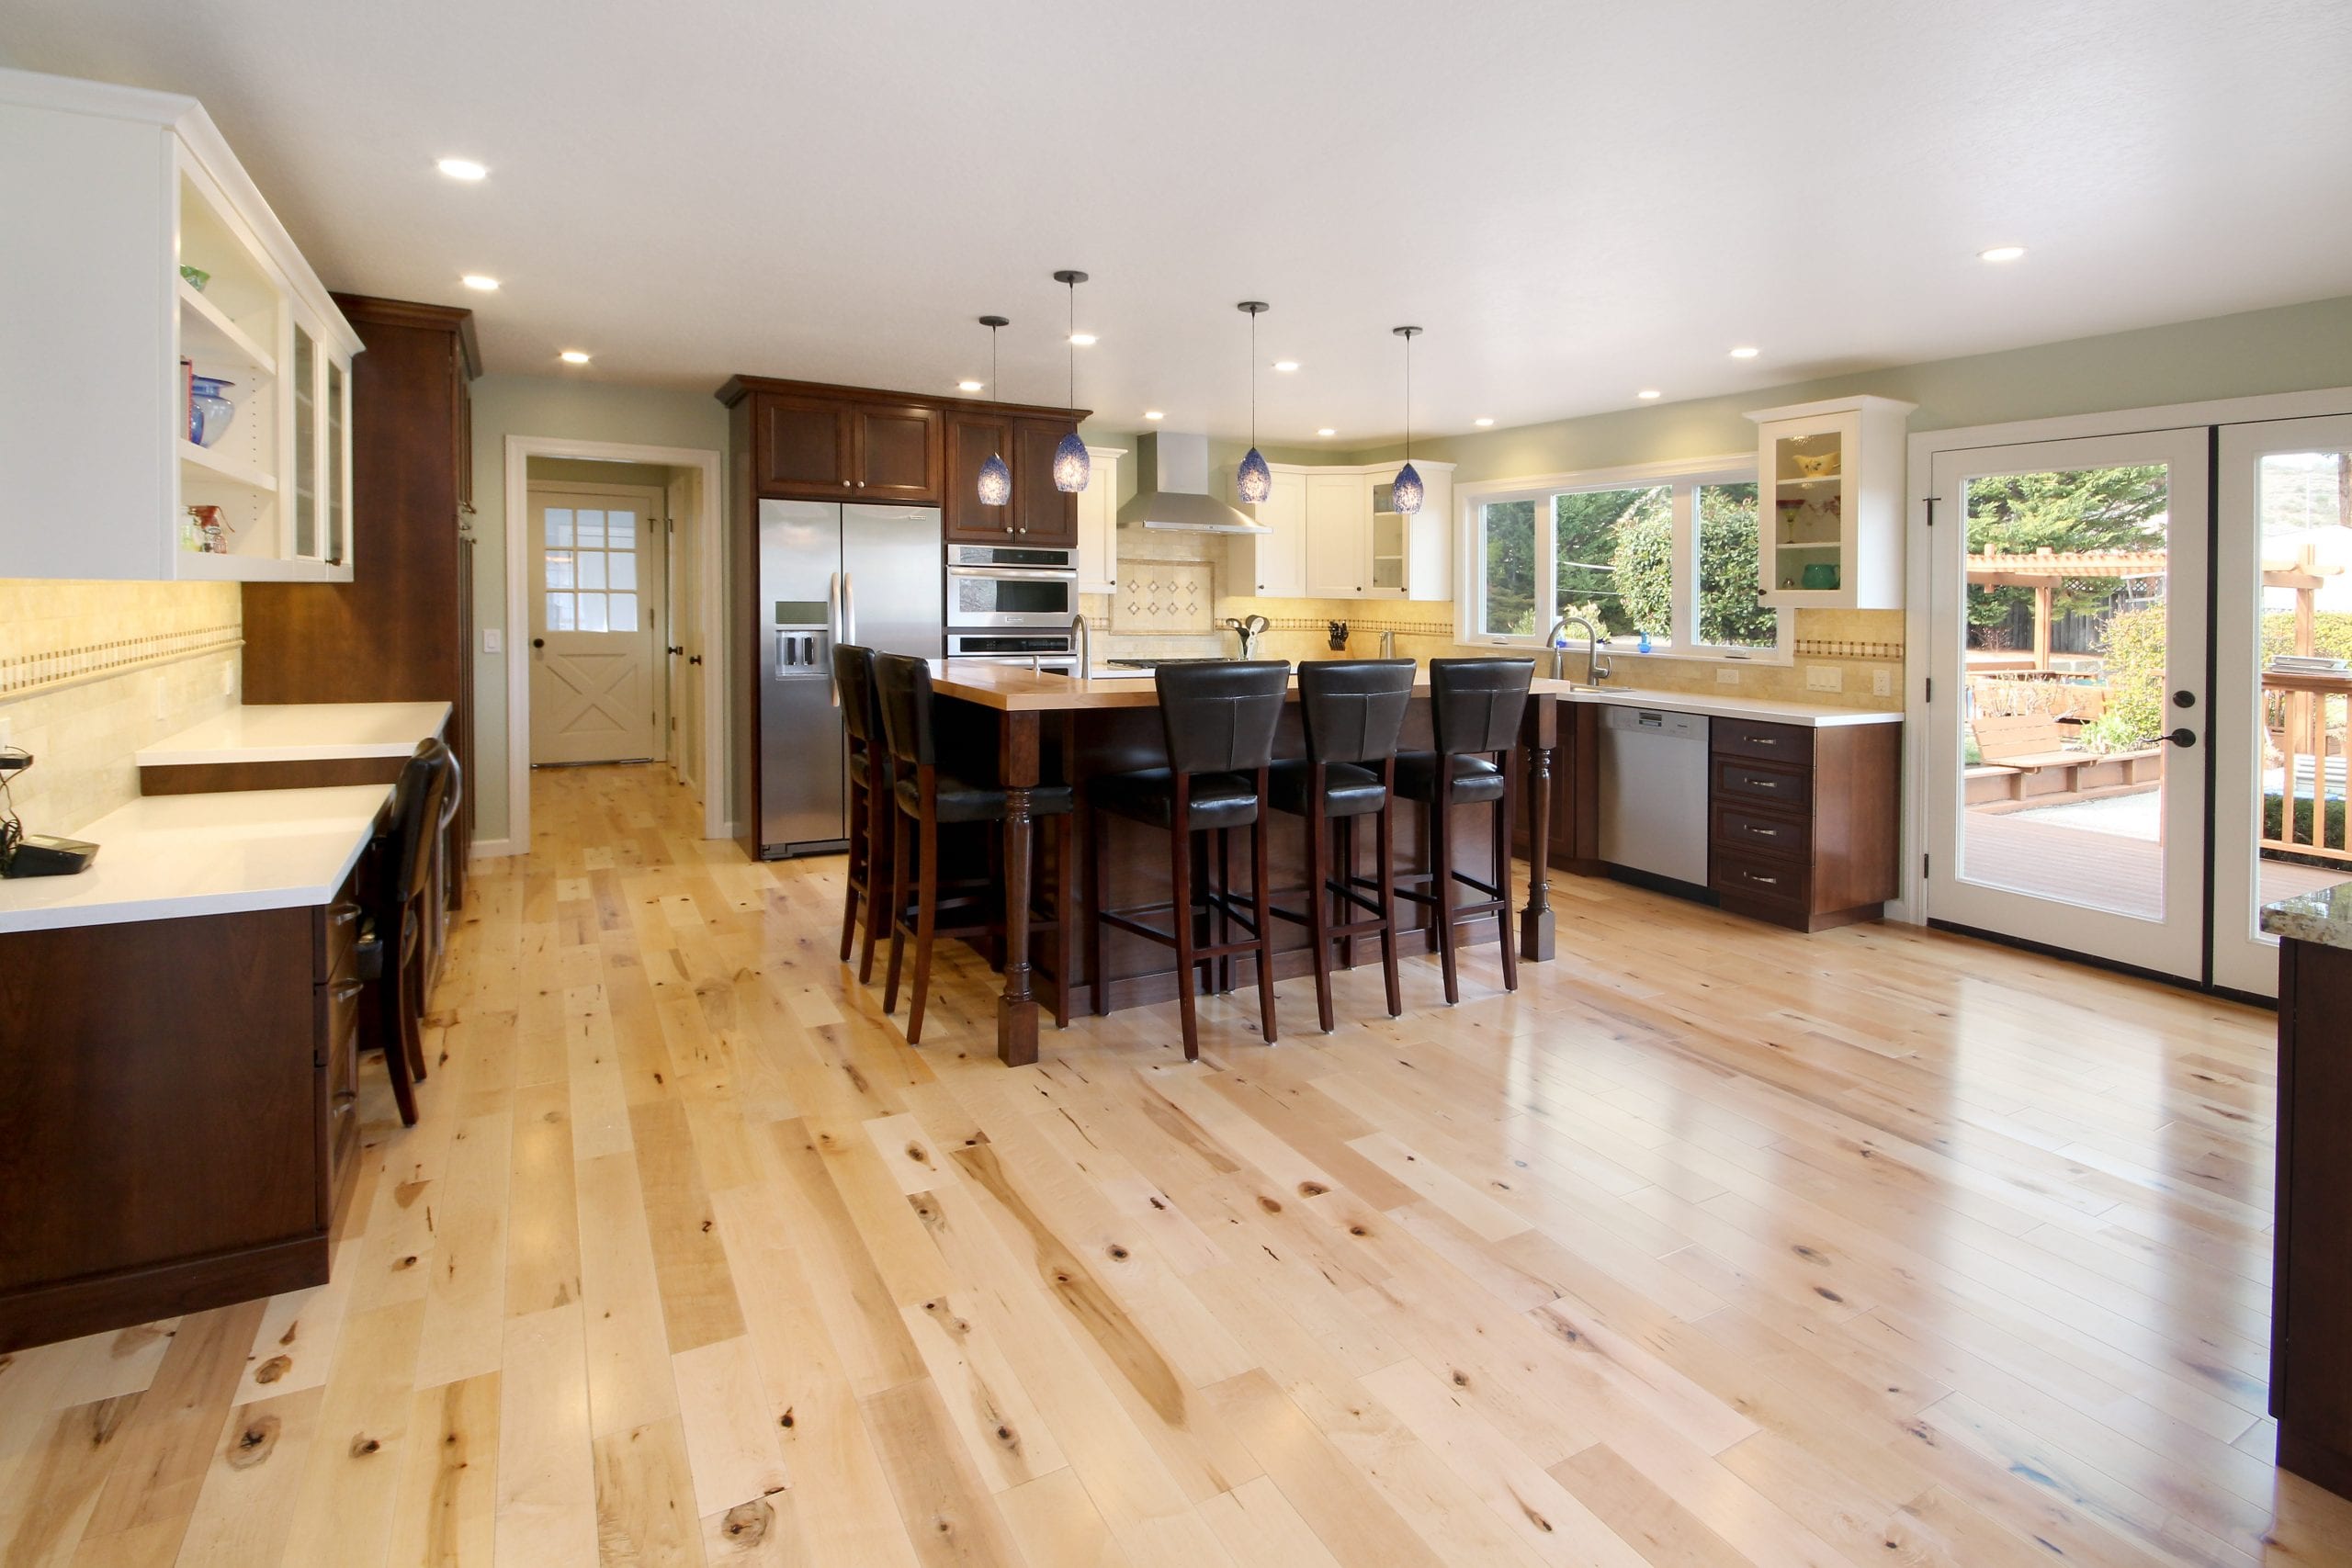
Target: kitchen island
[1043,728]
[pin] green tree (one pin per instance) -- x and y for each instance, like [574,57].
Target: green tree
[1591,532]
[1511,568]
[2133,654]
[2065,510]
[1643,562]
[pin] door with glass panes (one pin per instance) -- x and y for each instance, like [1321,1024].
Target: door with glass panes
[595,689]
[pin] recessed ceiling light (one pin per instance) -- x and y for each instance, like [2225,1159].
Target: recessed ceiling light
[1327,432]
[461,168]
[1155,414]
[481,280]
[574,356]
[967,386]
[1647,394]
[1285,365]
[1083,340]
[2001,254]
[1482,423]
[1746,351]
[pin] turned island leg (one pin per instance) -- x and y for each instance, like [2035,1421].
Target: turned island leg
[1016,1009]
[1538,738]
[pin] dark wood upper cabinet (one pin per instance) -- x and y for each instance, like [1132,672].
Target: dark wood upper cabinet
[971,438]
[1041,514]
[801,447]
[894,453]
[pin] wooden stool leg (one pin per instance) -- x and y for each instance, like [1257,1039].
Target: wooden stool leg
[926,916]
[1442,871]
[1318,901]
[1261,913]
[1220,924]
[1098,889]
[1064,882]
[1180,865]
[898,858]
[881,812]
[861,866]
[1503,819]
[1384,841]
[1342,909]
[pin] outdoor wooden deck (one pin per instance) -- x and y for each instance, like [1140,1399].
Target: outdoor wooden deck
[2104,871]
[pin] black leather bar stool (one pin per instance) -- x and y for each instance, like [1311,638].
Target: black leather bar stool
[389,957]
[1352,711]
[870,777]
[927,799]
[1475,709]
[1218,723]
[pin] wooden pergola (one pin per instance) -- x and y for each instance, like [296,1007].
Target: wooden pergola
[2046,568]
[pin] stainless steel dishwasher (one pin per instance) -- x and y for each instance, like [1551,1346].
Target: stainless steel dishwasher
[1654,792]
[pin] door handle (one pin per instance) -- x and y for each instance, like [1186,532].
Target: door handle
[539,642]
[673,652]
[2184,738]
[849,609]
[836,595]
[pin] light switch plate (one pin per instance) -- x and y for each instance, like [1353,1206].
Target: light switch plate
[494,640]
[1726,676]
[1824,678]
[1882,682]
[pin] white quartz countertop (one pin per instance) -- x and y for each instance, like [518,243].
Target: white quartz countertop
[1812,715]
[2324,917]
[166,857]
[300,732]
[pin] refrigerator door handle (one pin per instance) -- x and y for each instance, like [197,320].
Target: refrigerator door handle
[849,608]
[834,584]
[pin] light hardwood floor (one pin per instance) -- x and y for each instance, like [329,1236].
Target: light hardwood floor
[1713,1245]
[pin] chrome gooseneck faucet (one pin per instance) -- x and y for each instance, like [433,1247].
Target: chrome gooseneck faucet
[1082,636]
[1596,668]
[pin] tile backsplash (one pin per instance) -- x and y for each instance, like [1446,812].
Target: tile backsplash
[91,672]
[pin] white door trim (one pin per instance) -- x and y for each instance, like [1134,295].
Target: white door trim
[1919,589]
[710,615]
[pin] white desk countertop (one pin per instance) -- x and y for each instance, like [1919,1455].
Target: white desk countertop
[300,732]
[170,856]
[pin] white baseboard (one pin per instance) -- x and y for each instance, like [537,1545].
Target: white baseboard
[494,849]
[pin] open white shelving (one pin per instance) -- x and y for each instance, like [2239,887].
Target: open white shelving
[102,482]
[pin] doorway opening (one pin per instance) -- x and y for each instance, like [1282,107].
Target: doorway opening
[612,601]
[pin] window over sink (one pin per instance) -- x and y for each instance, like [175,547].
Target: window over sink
[1665,550]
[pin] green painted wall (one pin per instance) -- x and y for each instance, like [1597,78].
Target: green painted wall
[557,407]
[2292,348]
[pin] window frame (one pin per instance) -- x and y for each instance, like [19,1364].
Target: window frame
[1683,477]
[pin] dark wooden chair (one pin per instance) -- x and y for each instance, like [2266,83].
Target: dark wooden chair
[1352,711]
[1217,721]
[870,777]
[395,911]
[1474,710]
[927,798]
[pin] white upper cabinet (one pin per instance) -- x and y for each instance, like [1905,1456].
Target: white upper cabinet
[1273,565]
[177,397]
[1829,503]
[1098,522]
[1356,546]
[1338,534]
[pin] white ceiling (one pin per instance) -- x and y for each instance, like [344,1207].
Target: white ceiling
[1575,200]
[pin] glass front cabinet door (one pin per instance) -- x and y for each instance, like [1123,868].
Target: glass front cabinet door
[1829,518]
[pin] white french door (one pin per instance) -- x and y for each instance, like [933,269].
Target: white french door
[2282,611]
[2065,789]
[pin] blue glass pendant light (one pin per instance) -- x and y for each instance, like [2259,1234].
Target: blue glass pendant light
[995,480]
[1404,492]
[1253,478]
[1071,465]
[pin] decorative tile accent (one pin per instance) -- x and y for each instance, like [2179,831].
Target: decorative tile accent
[22,674]
[1165,598]
[1847,648]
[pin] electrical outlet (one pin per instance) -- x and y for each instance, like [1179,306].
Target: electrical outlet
[494,640]
[1824,678]
[1726,676]
[1882,682]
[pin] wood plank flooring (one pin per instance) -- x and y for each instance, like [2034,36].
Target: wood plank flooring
[1713,1245]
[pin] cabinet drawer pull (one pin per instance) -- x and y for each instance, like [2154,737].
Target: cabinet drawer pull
[343,914]
[1764,833]
[346,990]
[1758,876]
[1763,784]
[1763,741]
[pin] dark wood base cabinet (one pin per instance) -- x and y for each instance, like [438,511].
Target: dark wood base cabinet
[2311,1302]
[178,1114]
[1802,821]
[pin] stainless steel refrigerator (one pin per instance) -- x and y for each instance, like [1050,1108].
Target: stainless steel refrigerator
[830,573]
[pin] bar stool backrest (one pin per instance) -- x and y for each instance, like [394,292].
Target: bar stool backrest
[861,704]
[1475,704]
[1220,717]
[1353,709]
[904,687]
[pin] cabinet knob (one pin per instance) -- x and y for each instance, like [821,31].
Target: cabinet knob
[844,484]
[861,484]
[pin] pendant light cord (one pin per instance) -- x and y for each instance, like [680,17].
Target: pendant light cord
[1073,344]
[1253,380]
[1408,399]
[996,389]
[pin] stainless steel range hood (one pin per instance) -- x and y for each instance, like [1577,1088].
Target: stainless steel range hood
[1172,488]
